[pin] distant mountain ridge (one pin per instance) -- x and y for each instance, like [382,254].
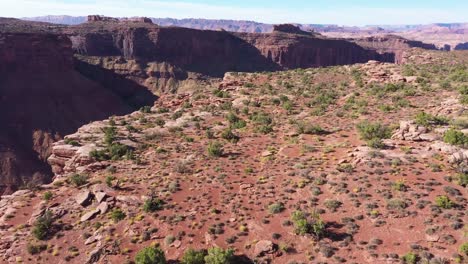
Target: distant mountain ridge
[447,36]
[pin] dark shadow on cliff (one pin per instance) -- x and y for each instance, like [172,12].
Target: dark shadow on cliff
[39,108]
[131,92]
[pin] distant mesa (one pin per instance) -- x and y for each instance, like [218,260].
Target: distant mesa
[288,28]
[99,18]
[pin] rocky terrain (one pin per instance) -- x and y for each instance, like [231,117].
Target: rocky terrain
[449,36]
[362,163]
[121,64]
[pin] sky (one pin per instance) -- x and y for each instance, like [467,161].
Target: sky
[340,12]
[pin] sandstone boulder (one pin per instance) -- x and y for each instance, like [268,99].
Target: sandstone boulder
[264,247]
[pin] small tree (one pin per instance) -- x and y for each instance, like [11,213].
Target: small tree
[153,204]
[150,255]
[42,226]
[192,256]
[218,255]
[215,149]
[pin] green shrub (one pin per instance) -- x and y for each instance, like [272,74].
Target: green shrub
[302,225]
[117,215]
[109,180]
[78,180]
[230,136]
[462,179]
[218,255]
[110,134]
[43,226]
[373,133]
[410,258]
[455,137]
[463,94]
[146,109]
[221,93]
[192,256]
[34,249]
[71,142]
[153,204]
[464,249]
[444,202]
[276,208]
[310,129]
[150,255]
[48,195]
[215,149]
[427,120]
[235,121]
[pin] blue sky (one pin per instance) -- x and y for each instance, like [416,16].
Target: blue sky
[342,12]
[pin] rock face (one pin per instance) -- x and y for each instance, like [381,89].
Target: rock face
[391,44]
[44,98]
[213,53]
[305,50]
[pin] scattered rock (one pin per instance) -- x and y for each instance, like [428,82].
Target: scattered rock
[100,196]
[103,207]
[264,247]
[89,215]
[83,198]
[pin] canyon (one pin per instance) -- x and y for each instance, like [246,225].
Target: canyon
[80,73]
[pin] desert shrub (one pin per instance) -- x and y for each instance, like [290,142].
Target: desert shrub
[302,225]
[109,180]
[396,204]
[192,256]
[43,226]
[221,93]
[276,208]
[34,249]
[71,142]
[425,119]
[332,205]
[215,149]
[235,121]
[463,94]
[464,249]
[150,255]
[145,109]
[373,133]
[230,136]
[218,255]
[462,179]
[455,137]
[117,215]
[399,185]
[410,258]
[310,129]
[153,204]
[78,180]
[114,151]
[110,134]
[444,202]
[48,195]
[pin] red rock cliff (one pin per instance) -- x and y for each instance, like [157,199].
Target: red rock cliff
[42,97]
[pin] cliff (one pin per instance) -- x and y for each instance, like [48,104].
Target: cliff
[392,44]
[213,53]
[44,98]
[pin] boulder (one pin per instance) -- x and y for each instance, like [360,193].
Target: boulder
[264,247]
[103,207]
[89,215]
[100,196]
[83,198]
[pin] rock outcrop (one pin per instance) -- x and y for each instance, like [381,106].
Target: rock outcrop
[392,44]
